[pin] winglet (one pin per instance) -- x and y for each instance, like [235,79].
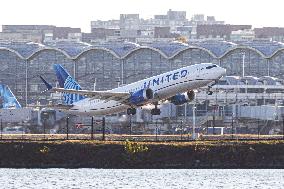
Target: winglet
[48,86]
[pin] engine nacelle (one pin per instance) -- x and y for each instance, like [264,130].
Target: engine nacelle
[141,96]
[180,99]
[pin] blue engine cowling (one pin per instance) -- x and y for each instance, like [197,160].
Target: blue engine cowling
[180,99]
[141,96]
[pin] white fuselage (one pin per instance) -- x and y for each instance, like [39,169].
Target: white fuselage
[164,86]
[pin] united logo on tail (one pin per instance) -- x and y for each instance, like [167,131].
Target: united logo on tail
[66,81]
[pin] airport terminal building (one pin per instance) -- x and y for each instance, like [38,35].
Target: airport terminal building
[113,64]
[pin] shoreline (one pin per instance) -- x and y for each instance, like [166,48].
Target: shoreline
[148,155]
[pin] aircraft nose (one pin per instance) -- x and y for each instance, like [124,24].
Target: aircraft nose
[223,71]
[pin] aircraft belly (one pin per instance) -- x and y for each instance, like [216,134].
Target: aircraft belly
[110,110]
[109,107]
[180,88]
[92,108]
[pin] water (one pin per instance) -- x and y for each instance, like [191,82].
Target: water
[141,178]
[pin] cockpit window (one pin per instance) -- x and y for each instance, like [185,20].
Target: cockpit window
[209,67]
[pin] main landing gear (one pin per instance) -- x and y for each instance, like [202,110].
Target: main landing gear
[131,111]
[209,92]
[156,110]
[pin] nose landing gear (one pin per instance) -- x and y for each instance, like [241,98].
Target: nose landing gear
[209,92]
[156,110]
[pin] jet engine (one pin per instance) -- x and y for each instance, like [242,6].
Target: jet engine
[180,99]
[141,96]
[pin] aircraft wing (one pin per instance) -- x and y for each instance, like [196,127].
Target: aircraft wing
[102,95]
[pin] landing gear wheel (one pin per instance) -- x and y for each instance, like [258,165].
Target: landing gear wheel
[131,111]
[156,110]
[209,92]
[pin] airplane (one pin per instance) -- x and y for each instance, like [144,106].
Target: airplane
[176,86]
[8,99]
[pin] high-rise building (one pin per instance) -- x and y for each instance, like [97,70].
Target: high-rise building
[176,15]
[198,18]
[64,32]
[132,27]
[162,32]
[273,33]
[218,31]
[109,24]
[242,35]
[129,21]
[37,33]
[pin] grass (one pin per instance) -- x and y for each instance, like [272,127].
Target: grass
[135,137]
[133,154]
[171,143]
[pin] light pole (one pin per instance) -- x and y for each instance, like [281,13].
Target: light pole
[185,112]
[92,128]
[214,114]
[244,55]
[104,128]
[67,128]
[130,124]
[283,127]
[181,130]
[156,130]
[258,129]
[232,129]
[193,122]
[26,82]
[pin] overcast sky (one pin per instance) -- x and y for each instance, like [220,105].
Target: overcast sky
[79,13]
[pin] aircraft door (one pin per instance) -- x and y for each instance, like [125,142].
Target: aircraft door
[197,72]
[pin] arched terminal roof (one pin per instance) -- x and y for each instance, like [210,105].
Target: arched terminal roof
[74,49]
[267,48]
[218,48]
[22,49]
[71,48]
[169,48]
[119,48]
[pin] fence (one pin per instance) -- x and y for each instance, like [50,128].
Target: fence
[98,130]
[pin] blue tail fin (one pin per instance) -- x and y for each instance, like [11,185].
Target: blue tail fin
[8,99]
[67,82]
